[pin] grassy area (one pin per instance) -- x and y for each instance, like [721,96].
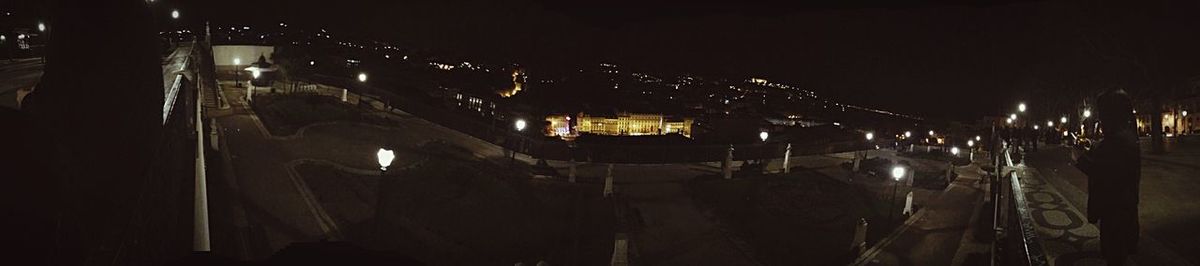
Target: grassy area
[285,114]
[454,209]
[801,218]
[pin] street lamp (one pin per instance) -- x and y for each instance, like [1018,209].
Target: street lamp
[175,14]
[1012,116]
[763,135]
[237,72]
[907,134]
[954,151]
[1184,113]
[1087,113]
[312,62]
[1021,107]
[41,27]
[1062,120]
[977,138]
[1049,123]
[362,77]
[931,133]
[870,136]
[255,73]
[898,172]
[385,157]
[1035,127]
[1009,121]
[520,126]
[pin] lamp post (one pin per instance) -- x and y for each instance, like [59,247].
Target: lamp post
[237,72]
[174,14]
[385,157]
[971,149]
[1021,107]
[898,172]
[520,126]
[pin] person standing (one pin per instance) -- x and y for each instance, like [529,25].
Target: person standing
[1113,168]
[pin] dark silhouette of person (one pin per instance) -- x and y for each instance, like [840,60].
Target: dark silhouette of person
[1113,167]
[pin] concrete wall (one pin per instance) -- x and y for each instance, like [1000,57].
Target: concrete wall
[223,55]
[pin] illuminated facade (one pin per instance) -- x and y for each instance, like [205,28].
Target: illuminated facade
[633,124]
[518,80]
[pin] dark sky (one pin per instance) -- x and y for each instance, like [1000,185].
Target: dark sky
[941,59]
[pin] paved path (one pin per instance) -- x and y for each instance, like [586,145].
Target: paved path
[1057,191]
[18,74]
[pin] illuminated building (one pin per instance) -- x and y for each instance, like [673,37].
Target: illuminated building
[633,124]
[559,126]
[518,80]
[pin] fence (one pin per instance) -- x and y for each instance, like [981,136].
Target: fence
[1017,241]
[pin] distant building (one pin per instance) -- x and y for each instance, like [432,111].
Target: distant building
[622,124]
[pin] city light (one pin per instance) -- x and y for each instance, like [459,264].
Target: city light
[312,62]
[255,73]
[1049,123]
[1021,107]
[1035,127]
[21,37]
[362,77]
[175,14]
[763,135]
[1087,113]
[970,143]
[954,150]
[385,157]
[3,38]
[520,124]
[898,172]
[1009,121]
[931,132]
[41,26]
[907,134]
[1063,120]
[977,138]
[870,136]
[1012,116]
[1184,113]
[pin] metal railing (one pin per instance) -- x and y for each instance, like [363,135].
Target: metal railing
[1017,241]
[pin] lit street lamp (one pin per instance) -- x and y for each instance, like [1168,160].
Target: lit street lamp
[237,72]
[977,138]
[385,157]
[954,151]
[520,126]
[907,134]
[763,135]
[1021,107]
[870,136]
[1049,123]
[1012,116]
[1035,127]
[1062,120]
[898,172]
[1008,121]
[41,27]
[362,77]
[1087,113]
[175,14]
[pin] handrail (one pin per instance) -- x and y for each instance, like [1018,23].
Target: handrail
[1031,244]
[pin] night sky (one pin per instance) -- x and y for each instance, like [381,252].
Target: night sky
[939,59]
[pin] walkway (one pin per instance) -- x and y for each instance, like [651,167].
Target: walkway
[1057,191]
